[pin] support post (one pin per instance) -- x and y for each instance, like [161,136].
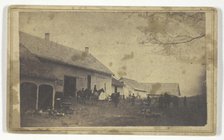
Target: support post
[37,99]
[53,99]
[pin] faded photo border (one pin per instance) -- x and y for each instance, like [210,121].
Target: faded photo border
[13,80]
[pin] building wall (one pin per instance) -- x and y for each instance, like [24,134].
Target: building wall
[141,95]
[119,89]
[128,91]
[98,79]
[158,89]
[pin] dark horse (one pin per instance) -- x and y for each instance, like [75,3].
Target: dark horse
[115,98]
[83,95]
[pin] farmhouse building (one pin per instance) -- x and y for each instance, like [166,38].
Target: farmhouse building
[156,89]
[49,70]
[142,90]
[133,87]
[117,86]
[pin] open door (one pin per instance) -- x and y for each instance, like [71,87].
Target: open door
[69,86]
[45,97]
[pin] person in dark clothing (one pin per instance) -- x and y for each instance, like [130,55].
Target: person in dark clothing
[94,90]
[133,99]
[148,100]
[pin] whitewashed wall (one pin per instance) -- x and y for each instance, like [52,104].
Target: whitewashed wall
[100,80]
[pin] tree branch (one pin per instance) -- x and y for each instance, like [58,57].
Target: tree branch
[156,41]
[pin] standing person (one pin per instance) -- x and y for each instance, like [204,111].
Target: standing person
[148,100]
[94,90]
[115,98]
[129,97]
[133,99]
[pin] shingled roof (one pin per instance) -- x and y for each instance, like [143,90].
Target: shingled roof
[31,66]
[134,84]
[117,83]
[153,88]
[59,53]
[161,88]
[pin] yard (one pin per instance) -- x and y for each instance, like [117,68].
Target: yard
[104,113]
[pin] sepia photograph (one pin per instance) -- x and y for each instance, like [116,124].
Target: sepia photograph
[114,67]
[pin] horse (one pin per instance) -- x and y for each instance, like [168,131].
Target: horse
[81,96]
[95,95]
[115,98]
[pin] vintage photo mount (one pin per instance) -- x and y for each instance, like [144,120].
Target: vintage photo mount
[13,80]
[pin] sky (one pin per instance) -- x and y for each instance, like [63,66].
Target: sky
[148,47]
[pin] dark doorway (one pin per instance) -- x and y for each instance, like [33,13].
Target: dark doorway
[89,81]
[45,97]
[69,86]
[28,96]
[115,89]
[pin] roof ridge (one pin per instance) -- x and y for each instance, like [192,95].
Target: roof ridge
[60,53]
[58,44]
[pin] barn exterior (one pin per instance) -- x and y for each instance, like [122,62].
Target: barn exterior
[49,70]
[143,90]
[117,86]
[133,87]
[157,89]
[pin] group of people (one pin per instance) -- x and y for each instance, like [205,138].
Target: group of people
[163,101]
[88,94]
[132,98]
[83,94]
[166,100]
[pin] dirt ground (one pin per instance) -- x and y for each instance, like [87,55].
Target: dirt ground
[104,113]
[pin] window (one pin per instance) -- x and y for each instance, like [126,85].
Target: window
[115,89]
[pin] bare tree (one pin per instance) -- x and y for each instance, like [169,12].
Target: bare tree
[161,30]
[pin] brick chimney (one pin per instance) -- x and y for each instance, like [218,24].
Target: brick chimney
[86,50]
[47,36]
